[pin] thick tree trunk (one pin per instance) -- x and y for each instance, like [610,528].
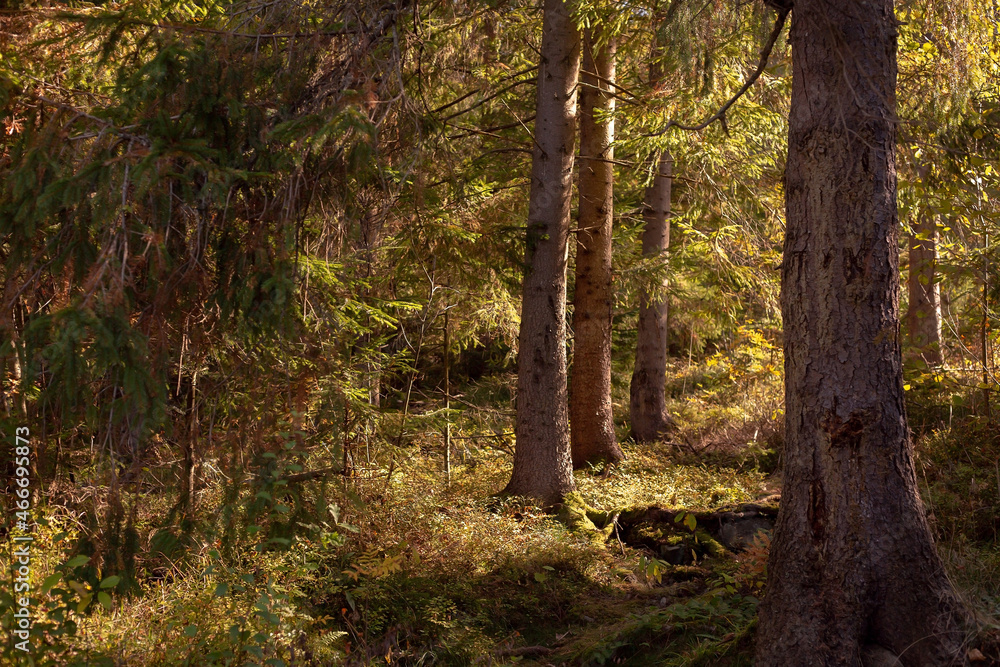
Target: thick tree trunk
[923,318]
[852,563]
[648,400]
[542,464]
[592,427]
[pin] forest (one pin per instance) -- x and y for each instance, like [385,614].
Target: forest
[496,332]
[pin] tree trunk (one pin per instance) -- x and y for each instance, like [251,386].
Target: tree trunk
[189,489]
[648,400]
[852,564]
[542,463]
[592,427]
[924,315]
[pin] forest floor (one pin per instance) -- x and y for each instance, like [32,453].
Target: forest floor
[413,570]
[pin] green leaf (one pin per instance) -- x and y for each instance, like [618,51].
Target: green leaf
[50,581]
[191,630]
[111,581]
[690,521]
[105,600]
[221,590]
[77,561]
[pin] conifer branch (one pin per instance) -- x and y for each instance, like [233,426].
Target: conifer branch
[720,115]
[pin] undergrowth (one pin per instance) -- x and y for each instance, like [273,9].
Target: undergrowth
[400,566]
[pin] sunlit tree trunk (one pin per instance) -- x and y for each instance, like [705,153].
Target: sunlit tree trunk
[648,401]
[592,427]
[542,462]
[852,565]
[923,318]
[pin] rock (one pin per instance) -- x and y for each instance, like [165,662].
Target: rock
[739,535]
[676,554]
[675,534]
[873,655]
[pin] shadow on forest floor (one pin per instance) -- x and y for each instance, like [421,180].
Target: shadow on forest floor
[417,571]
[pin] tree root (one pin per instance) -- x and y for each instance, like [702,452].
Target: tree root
[581,518]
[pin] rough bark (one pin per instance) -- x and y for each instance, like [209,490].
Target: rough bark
[853,562]
[542,463]
[648,400]
[923,318]
[592,428]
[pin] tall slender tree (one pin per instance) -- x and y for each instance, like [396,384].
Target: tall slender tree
[924,313]
[592,427]
[648,407]
[923,317]
[853,564]
[542,459]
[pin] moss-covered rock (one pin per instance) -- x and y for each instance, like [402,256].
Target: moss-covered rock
[581,518]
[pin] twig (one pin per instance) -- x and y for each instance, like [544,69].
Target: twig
[524,651]
[481,437]
[490,97]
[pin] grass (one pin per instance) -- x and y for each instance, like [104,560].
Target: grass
[445,574]
[399,567]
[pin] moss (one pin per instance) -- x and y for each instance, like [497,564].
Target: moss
[710,545]
[583,519]
[602,519]
[648,532]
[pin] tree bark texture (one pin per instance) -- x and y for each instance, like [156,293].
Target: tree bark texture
[542,463]
[853,564]
[592,428]
[923,318]
[648,401]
